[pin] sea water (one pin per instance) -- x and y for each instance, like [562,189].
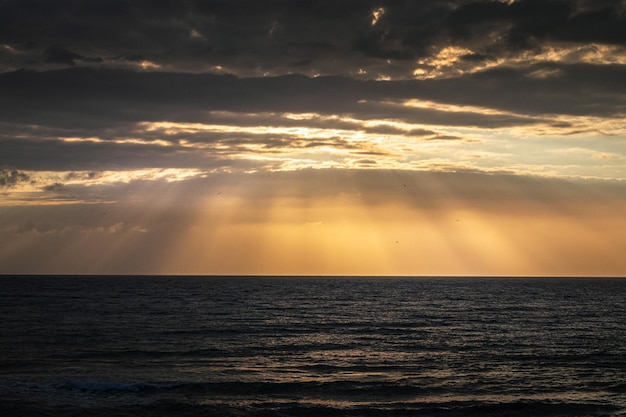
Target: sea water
[312,346]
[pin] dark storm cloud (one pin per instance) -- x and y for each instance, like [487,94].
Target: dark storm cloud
[239,34]
[496,28]
[281,36]
[577,89]
[104,95]
[416,29]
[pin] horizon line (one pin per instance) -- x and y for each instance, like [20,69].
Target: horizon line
[76,275]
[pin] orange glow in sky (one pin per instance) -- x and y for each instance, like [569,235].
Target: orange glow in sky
[331,222]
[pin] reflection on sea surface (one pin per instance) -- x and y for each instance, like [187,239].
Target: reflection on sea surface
[323,346]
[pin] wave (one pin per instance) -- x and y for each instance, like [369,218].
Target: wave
[344,390]
[130,354]
[111,387]
[255,389]
[618,388]
[171,408]
[344,398]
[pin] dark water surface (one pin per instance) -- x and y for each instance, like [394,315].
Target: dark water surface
[252,346]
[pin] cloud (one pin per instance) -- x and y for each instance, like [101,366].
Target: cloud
[28,227]
[62,55]
[466,72]
[499,28]
[65,98]
[10,179]
[364,39]
[136,200]
[241,35]
[56,187]
[88,119]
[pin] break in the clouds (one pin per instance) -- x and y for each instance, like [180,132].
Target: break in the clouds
[172,108]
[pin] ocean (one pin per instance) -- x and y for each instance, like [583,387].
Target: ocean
[312,346]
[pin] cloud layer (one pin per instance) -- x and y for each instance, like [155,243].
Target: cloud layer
[243,85]
[367,38]
[258,121]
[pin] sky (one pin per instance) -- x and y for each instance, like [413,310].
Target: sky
[313,137]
